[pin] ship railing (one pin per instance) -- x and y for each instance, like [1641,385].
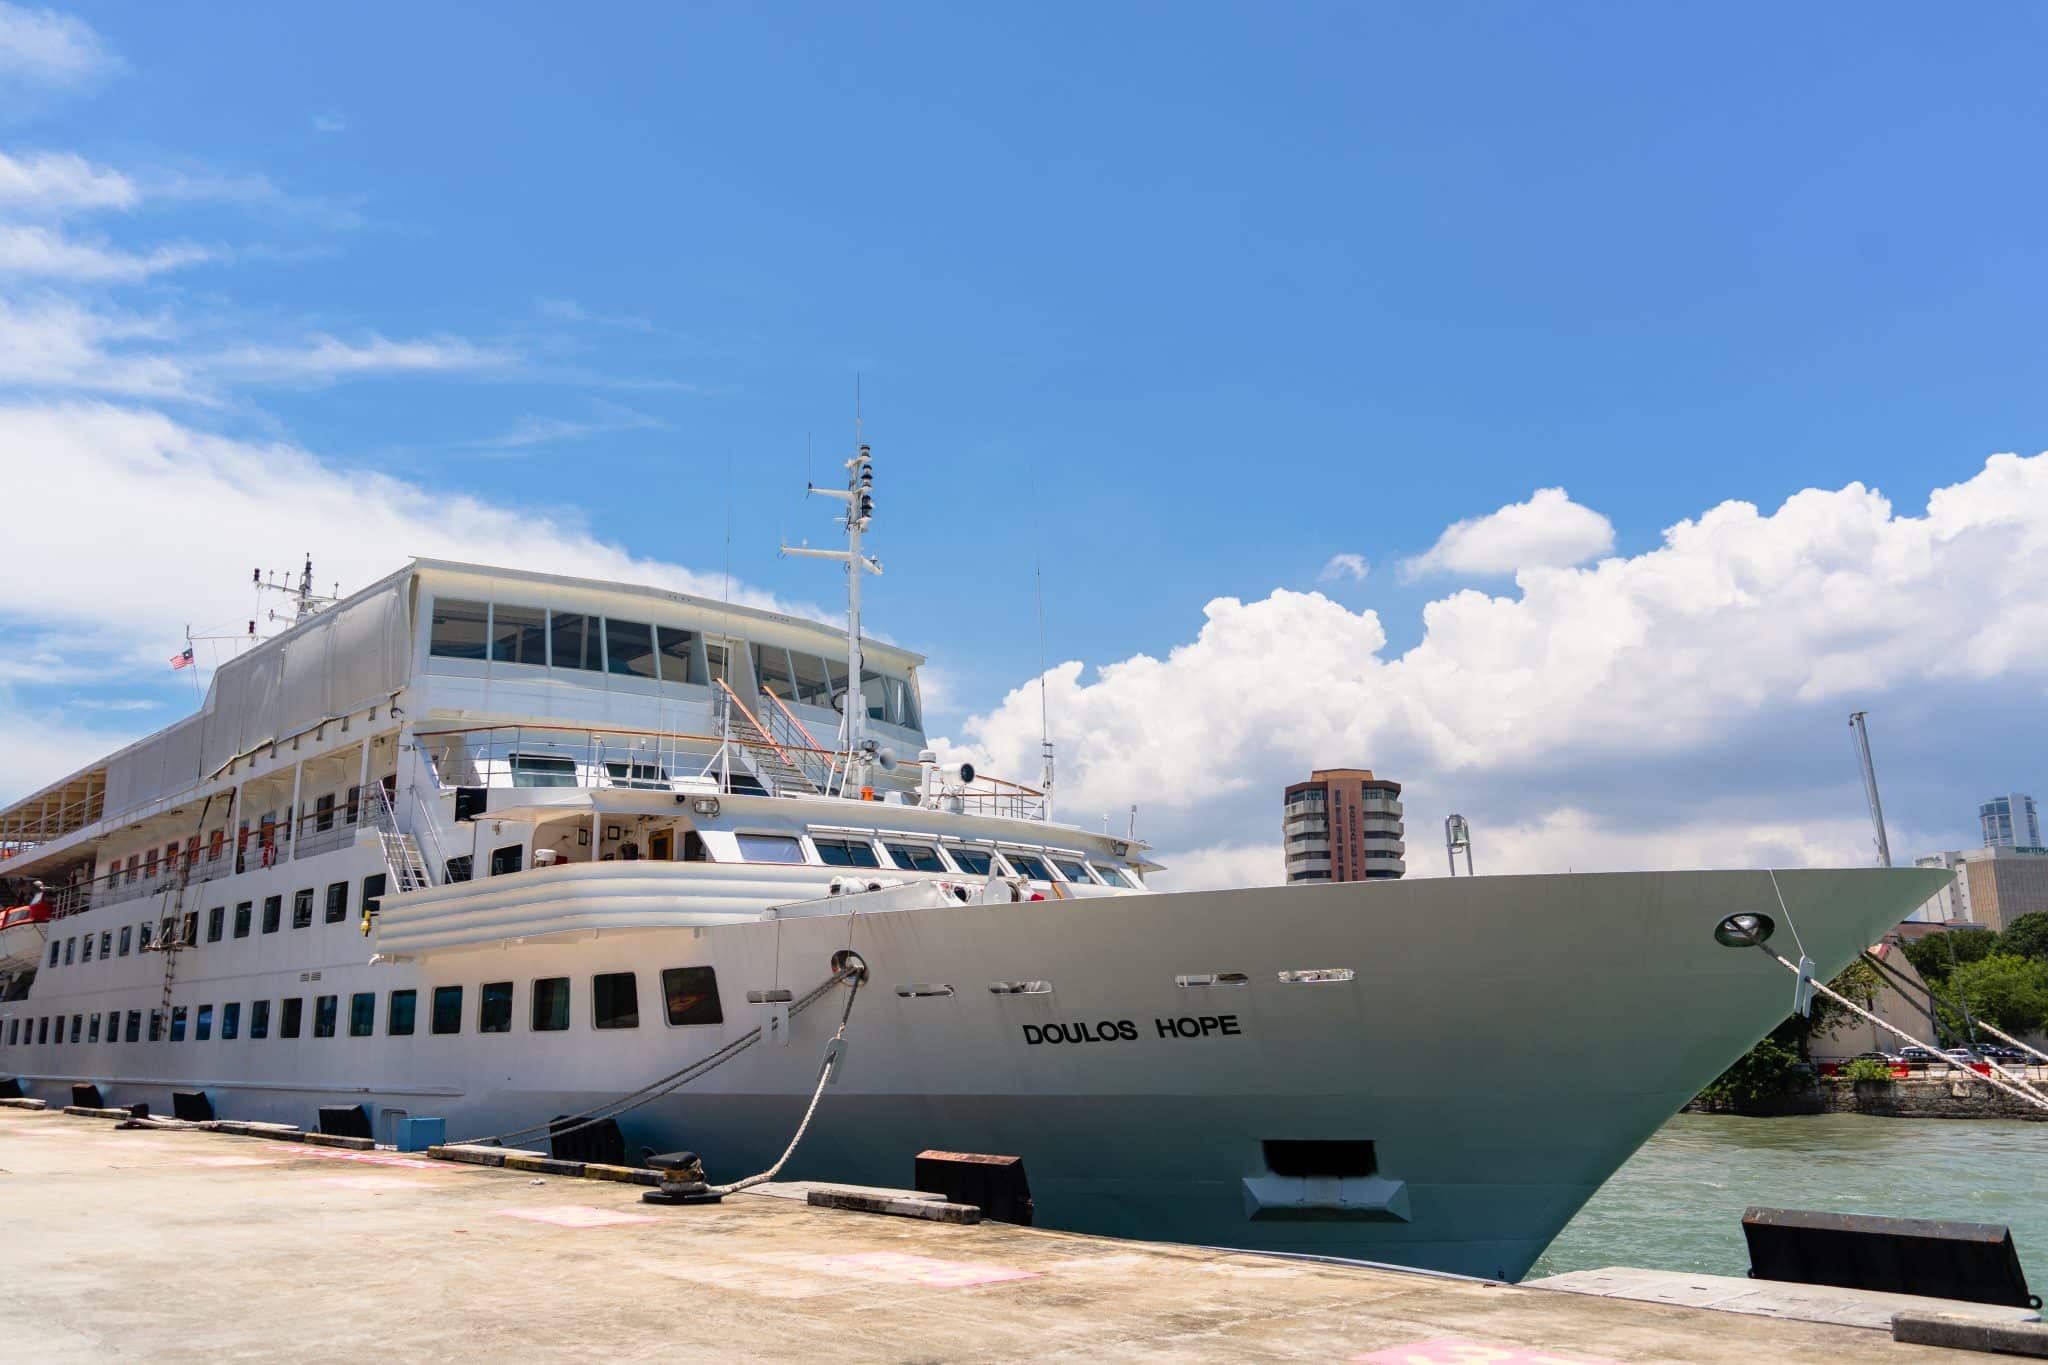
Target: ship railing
[792,736]
[542,756]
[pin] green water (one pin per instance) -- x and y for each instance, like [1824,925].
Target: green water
[1677,1204]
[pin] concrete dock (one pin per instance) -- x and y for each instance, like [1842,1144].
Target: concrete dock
[182,1245]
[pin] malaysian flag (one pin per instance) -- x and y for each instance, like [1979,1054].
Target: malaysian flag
[182,660]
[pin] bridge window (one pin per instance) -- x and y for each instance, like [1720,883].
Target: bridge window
[574,639]
[678,659]
[519,635]
[772,671]
[846,852]
[771,848]
[691,996]
[494,1011]
[447,1009]
[813,683]
[615,1000]
[1111,876]
[629,648]
[916,857]
[975,862]
[1029,865]
[458,629]
[1072,871]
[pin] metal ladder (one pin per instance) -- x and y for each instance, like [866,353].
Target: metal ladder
[768,760]
[407,868]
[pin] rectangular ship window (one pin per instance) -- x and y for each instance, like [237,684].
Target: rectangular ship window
[216,923]
[510,858]
[373,891]
[86,956]
[494,1008]
[770,848]
[230,1020]
[398,1017]
[519,635]
[691,996]
[574,640]
[1324,1157]
[290,1017]
[106,942]
[177,1023]
[846,852]
[550,1004]
[202,1029]
[459,629]
[142,938]
[134,1031]
[124,940]
[447,1009]
[916,857]
[362,1014]
[273,910]
[242,919]
[113,1026]
[615,1000]
[629,648]
[77,1027]
[302,908]
[325,1008]
[337,902]
[975,862]
[43,1031]
[92,1032]
[259,1019]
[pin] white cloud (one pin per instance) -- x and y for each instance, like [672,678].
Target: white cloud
[177,516]
[530,431]
[45,48]
[330,121]
[325,358]
[45,253]
[1343,566]
[53,343]
[1627,682]
[1549,530]
[568,310]
[52,182]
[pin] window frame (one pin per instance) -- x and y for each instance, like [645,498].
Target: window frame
[485,1001]
[717,1004]
[326,1015]
[598,1017]
[411,1013]
[453,994]
[557,1010]
[362,1023]
[336,908]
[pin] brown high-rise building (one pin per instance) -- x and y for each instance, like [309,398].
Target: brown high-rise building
[1343,825]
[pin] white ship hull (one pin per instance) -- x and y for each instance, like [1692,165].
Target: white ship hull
[1489,1046]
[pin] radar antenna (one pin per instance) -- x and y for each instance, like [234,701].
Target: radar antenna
[305,602]
[858,495]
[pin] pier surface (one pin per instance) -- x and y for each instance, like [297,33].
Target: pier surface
[180,1245]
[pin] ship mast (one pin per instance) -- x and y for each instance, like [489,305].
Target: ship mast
[858,495]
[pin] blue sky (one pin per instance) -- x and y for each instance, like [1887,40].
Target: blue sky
[1179,301]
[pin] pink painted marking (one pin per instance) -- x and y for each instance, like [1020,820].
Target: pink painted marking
[376,1184]
[1461,1351]
[371,1158]
[575,1216]
[897,1267]
[230,1161]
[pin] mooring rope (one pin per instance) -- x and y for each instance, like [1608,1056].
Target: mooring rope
[1900,983]
[676,1080]
[2028,1095]
[833,1052]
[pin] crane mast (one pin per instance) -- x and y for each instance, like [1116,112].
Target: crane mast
[1862,738]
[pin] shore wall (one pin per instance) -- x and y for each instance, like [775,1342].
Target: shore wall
[1919,1097]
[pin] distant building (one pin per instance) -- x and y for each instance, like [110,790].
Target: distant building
[2010,822]
[1952,902]
[2004,883]
[1343,825]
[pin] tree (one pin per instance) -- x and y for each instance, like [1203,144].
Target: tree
[2004,990]
[1758,1076]
[2027,936]
[1936,955]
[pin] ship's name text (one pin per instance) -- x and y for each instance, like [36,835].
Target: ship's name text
[1126,1030]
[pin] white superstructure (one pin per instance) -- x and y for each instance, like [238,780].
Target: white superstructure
[498,846]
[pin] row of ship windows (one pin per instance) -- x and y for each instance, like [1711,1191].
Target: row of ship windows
[504,632]
[689,999]
[66,952]
[971,860]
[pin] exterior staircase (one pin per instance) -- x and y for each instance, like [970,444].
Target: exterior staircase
[405,867]
[781,770]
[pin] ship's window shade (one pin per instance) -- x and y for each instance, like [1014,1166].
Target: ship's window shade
[447,1009]
[629,648]
[458,629]
[691,996]
[550,1004]
[519,635]
[615,1000]
[494,1009]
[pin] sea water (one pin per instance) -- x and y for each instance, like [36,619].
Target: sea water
[1678,1203]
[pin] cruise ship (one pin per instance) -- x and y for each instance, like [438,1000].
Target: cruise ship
[499,846]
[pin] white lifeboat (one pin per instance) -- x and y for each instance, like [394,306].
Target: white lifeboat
[23,933]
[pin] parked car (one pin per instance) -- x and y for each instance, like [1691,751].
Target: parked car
[1920,1056]
[2003,1055]
[1961,1056]
[1888,1058]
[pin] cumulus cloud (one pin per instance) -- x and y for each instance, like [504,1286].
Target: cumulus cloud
[1586,679]
[53,182]
[1549,530]
[1345,566]
[45,48]
[159,496]
[42,252]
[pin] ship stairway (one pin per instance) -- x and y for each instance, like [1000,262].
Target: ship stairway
[402,856]
[780,765]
